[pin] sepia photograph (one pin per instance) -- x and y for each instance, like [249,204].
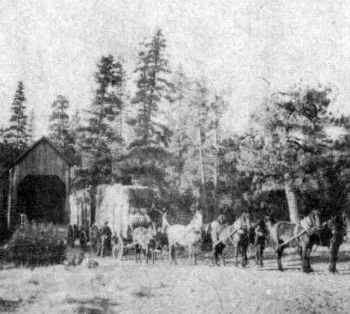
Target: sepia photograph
[171,156]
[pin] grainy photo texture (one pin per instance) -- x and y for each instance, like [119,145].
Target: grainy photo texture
[171,156]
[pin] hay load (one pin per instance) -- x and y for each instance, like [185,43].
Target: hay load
[123,206]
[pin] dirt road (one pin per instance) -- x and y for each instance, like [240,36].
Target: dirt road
[161,288]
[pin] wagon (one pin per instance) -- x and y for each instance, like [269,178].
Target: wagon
[124,207]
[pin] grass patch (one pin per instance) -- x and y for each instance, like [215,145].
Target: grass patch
[93,306]
[142,292]
[9,305]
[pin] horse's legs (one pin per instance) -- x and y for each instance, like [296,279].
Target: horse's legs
[308,256]
[244,252]
[192,254]
[258,255]
[139,253]
[102,247]
[223,257]
[300,251]
[237,253]
[136,252]
[304,257]
[146,251]
[172,253]
[215,256]
[246,248]
[279,258]
[262,247]
[238,250]
[334,250]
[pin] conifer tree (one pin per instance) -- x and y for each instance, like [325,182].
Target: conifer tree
[16,133]
[75,123]
[148,151]
[59,123]
[31,127]
[97,139]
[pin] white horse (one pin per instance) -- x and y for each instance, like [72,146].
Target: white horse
[144,241]
[184,235]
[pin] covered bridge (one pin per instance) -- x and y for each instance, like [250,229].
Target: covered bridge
[38,185]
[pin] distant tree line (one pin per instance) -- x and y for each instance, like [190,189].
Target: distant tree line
[166,132]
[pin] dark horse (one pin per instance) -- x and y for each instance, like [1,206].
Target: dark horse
[303,235]
[237,234]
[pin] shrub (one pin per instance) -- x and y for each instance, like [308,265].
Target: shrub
[36,245]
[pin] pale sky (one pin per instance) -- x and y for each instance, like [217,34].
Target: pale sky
[53,47]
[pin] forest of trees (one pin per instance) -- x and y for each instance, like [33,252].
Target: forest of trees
[166,133]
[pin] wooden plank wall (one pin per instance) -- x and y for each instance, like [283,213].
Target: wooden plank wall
[41,160]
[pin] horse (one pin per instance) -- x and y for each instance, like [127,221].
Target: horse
[303,235]
[184,235]
[144,241]
[237,234]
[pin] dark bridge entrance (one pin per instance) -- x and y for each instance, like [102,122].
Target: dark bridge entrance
[42,197]
[38,185]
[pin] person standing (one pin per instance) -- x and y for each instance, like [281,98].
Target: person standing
[338,228]
[106,239]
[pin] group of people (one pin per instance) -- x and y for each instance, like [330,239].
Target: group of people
[256,232]
[82,235]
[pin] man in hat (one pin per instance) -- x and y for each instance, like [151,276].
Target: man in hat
[106,238]
[216,226]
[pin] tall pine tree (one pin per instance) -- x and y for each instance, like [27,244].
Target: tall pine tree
[99,137]
[31,127]
[59,123]
[148,151]
[16,133]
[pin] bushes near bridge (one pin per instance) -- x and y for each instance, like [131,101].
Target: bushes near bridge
[36,245]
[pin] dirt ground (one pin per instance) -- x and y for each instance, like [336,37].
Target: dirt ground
[127,287]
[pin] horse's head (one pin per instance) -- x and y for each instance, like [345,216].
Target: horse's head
[197,221]
[222,218]
[315,217]
[247,219]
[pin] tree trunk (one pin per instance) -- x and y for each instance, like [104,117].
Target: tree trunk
[216,166]
[201,167]
[292,201]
